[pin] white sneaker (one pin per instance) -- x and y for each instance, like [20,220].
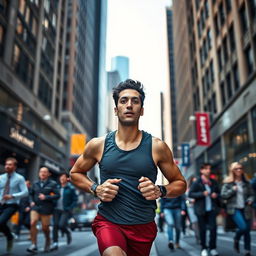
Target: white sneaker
[214,252]
[204,252]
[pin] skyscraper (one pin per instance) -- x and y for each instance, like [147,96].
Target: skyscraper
[121,64]
[31,64]
[215,61]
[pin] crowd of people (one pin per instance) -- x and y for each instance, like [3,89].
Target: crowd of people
[44,200]
[202,203]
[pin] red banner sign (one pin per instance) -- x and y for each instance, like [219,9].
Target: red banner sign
[203,129]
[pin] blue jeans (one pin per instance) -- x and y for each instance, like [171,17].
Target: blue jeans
[243,228]
[173,220]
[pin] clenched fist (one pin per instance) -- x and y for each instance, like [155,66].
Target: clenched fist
[108,190]
[148,189]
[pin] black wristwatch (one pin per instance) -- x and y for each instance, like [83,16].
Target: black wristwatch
[93,188]
[162,190]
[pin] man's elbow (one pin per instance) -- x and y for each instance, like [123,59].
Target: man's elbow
[183,186]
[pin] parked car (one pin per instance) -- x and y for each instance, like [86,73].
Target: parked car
[82,219]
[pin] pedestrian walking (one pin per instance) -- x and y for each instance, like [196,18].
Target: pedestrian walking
[172,210]
[206,193]
[44,194]
[128,159]
[12,189]
[237,192]
[191,211]
[63,210]
[24,212]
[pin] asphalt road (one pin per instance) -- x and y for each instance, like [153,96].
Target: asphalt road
[84,244]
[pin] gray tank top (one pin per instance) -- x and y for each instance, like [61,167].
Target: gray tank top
[129,206]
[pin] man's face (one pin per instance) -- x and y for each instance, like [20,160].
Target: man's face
[206,171]
[129,107]
[44,173]
[63,179]
[10,166]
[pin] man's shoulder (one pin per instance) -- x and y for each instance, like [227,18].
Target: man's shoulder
[97,141]
[18,176]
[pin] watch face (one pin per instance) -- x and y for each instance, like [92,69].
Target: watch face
[94,186]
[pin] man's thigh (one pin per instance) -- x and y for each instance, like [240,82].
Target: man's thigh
[108,234]
[140,238]
[64,218]
[6,213]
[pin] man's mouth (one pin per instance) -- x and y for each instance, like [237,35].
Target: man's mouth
[129,113]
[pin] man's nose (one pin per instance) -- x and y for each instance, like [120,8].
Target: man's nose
[129,103]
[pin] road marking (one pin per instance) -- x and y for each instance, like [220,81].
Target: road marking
[85,251]
[190,250]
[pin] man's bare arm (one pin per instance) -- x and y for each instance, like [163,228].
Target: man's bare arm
[163,158]
[106,191]
[85,162]
[177,183]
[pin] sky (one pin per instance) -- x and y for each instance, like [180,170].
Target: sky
[137,29]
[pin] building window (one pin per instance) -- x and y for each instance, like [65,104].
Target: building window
[252,9]
[223,93]
[229,86]
[45,92]
[236,77]
[23,66]
[2,36]
[216,25]
[214,105]
[219,59]
[232,42]
[237,143]
[212,71]
[225,49]
[244,19]
[249,59]
[209,39]
[228,4]
[222,14]
[4,7]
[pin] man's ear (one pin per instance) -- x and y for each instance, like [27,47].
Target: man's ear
[115,110]
[142,111]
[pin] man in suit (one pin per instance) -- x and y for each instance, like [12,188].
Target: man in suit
[206,193]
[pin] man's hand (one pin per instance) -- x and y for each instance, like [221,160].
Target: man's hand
[108,190]
[206,193]
[27,209]
[214,195]
[148,189]
[32,204]
[41,196]
[7,197]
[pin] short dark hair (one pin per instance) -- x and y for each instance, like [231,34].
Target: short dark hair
[203,165]
[13,159]
[129,84]
[64,173]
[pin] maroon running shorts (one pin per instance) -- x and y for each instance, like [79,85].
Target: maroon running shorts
[135,240]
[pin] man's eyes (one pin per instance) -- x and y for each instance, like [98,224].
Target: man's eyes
[134,101]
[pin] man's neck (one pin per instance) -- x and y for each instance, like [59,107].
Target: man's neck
[127,134]
[64,184]
[205,177]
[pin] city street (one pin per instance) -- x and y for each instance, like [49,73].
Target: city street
[84,244]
